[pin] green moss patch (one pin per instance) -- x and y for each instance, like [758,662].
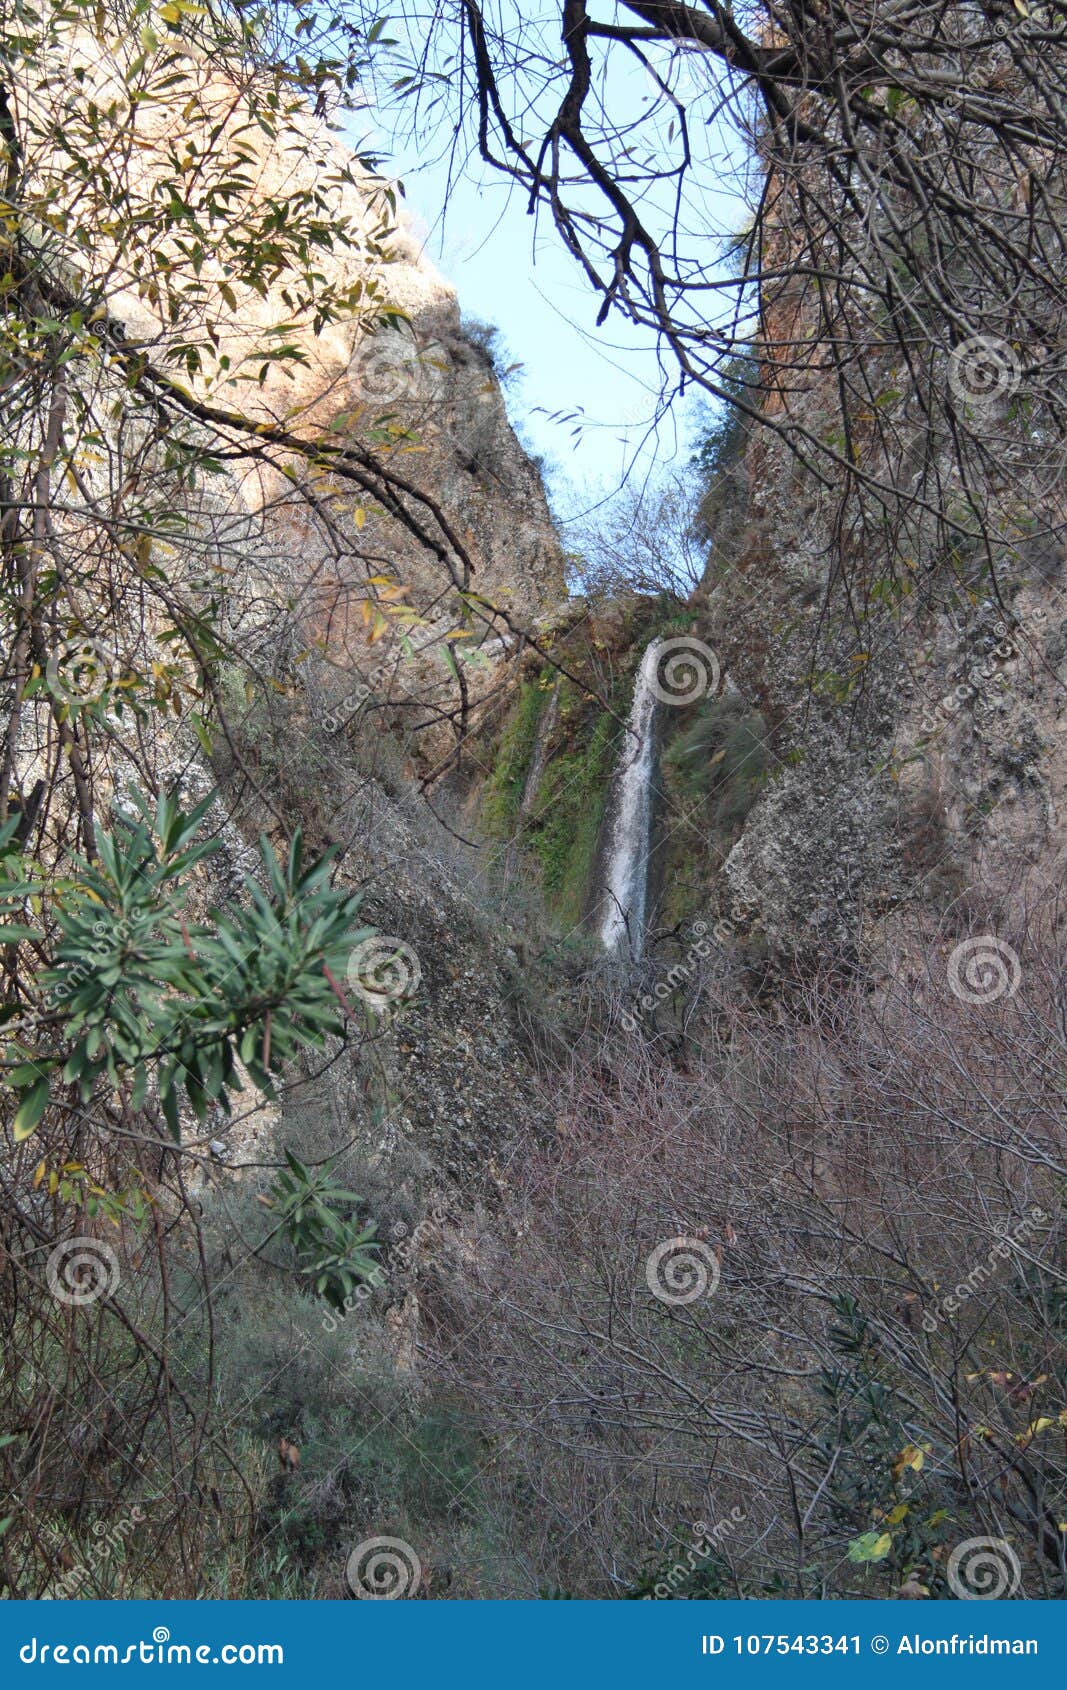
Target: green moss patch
[504,788]
[569,808]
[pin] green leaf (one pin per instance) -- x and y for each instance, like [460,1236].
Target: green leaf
[199,727]
[31,1109]
[24,1075]
[168,1102]
[872,1546]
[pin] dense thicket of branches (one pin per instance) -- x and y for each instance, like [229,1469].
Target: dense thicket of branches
[141,994]
[898,277]
[858,1362]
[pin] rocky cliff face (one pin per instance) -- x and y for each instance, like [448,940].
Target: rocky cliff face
[914,738]
[872,746]
[476,560]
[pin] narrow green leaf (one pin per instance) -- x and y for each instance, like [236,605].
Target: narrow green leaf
[31,1109]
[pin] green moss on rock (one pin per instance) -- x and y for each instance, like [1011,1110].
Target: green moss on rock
[504,788]
[570,806]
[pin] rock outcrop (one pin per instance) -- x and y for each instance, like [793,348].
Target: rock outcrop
[447,540]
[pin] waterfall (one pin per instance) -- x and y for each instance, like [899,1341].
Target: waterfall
[623,900]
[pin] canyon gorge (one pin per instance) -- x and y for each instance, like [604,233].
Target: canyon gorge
[553,1070]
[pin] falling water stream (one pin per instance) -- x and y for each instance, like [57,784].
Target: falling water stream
[623,901]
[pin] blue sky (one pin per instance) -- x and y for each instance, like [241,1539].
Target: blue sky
[585,398]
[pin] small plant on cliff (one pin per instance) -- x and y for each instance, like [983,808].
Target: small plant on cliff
[319,1218]
[488,339]
[722,432]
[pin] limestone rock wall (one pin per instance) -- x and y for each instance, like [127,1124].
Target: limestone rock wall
[916,739]
[392,372]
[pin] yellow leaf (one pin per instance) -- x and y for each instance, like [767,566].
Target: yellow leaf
[895,1515]
[910,1456]
[912,1590]
[361,517]
[41,1170]
[1035,1426]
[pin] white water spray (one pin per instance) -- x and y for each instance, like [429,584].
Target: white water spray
[624,896]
